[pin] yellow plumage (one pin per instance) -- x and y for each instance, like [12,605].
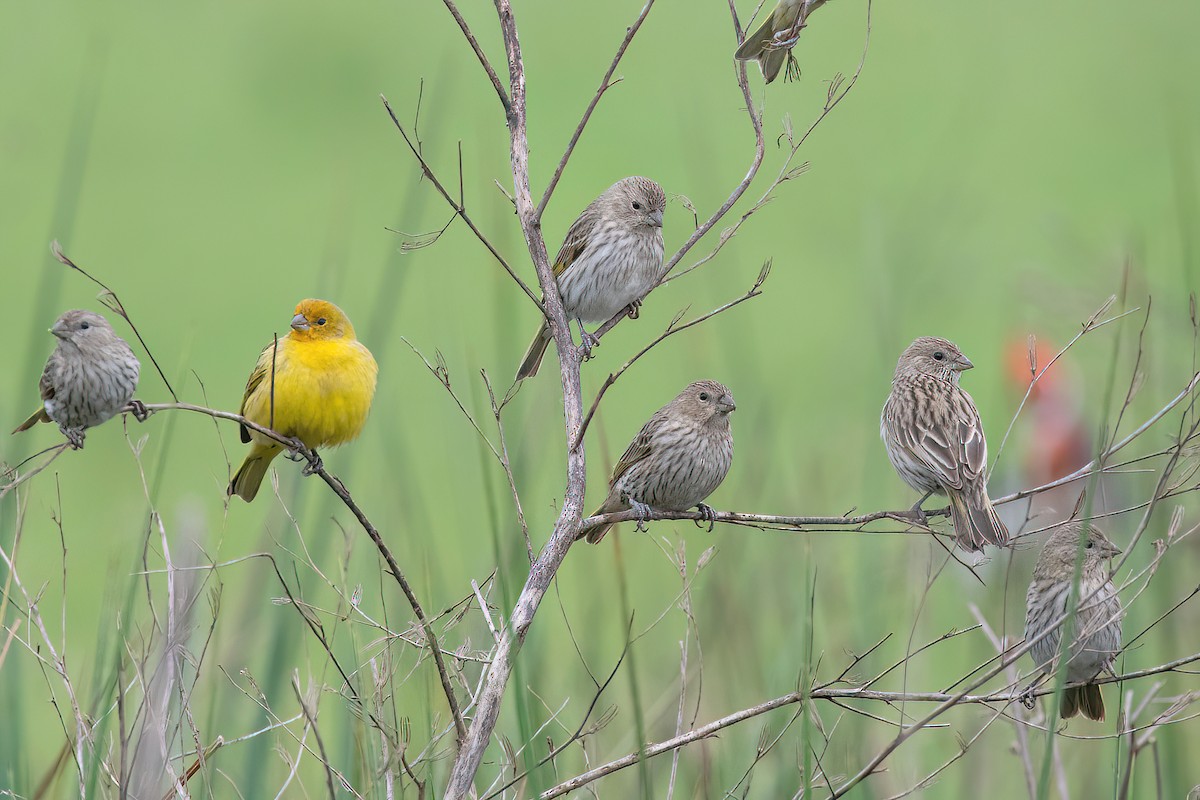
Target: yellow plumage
[316,385]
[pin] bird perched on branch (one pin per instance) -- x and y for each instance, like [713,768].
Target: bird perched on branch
[314,385]
[89,378]
[1095,631]
[772,42]
[610,259]
[677,459]
[934,439]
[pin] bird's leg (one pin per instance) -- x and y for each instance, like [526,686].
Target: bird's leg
[298,451]
[74,436]
[634,309]
[643,511]
[707,513]
[586,342]
[1027,697]
[314,465]
[918,513]
[139,410]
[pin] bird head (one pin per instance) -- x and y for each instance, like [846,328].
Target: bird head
[1062,548]
[81,327]
[707,402]
[638,202]
[930,355]
[320,320]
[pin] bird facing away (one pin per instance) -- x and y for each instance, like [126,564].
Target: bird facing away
[934,439]
[610,260]
[88,379]
[677,459]
[1095,634]
[765,45]
[316,386]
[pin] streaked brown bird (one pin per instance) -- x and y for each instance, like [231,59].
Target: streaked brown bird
[934,439]
[610,260]
[88,379]
[767,45]
[679,457]
[1095,634]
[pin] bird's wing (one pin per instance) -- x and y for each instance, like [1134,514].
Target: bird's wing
[952,447]
[575,241]
[639,449]
[262,371]
[46,384]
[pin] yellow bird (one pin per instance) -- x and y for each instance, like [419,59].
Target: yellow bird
[315,386]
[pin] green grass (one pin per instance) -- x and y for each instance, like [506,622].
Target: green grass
[988,177]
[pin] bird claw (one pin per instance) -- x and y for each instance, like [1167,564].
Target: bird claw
[706,514]
[917,514]
[139,410]
[634,309]
[643,512]
[298,451]
[586,342]
[1027,698]
[314,466]
[75,437]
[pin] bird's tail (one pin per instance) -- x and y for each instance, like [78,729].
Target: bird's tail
[975,521]
[533,356]
[38,416]
[755,48]
[1086,699]
[248,478]
[596,534]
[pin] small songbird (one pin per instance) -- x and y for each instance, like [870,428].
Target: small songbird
[316,386]
[610,260]
[1096,633]
[766,46]
[934,439]
[88,379]
[677,459]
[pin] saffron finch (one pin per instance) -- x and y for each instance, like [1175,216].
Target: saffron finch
[611,258]
[88,379]
[677,459]
[315,386]
[1096,630]
[934,439]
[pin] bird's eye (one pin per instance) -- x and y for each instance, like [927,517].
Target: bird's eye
[1089,544]
[939,356]
[321,321]
[637,205]
[83,326]
[704,395]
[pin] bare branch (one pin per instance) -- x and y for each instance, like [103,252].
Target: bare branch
[483,59]
[606,83]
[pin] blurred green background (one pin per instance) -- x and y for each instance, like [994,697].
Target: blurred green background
[991,175]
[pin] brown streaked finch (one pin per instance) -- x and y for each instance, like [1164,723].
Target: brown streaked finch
[934,439]
[89,378]
[677,459]
[1095,634]
[767,45]
[610,259]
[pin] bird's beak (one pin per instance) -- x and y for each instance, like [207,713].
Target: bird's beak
[1113,550]
[725,405]
[656,218]
[299,323]
[59,330]
[963,363]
